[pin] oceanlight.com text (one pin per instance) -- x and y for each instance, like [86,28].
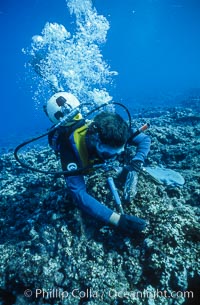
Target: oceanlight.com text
[102,294]
[147,294]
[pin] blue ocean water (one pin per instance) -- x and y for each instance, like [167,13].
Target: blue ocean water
[153,45]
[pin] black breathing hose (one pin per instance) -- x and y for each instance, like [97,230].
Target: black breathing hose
[70,116]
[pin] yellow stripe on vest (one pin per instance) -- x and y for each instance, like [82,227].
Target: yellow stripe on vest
[79,139]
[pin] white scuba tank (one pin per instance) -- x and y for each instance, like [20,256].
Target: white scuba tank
[60,105]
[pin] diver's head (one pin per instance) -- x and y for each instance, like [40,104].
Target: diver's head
[109,134]
[59,105]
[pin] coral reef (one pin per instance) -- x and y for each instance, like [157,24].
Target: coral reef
[51,253]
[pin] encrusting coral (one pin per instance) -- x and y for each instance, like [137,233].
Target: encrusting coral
[51,249]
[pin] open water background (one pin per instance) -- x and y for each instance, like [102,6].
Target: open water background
[154,45]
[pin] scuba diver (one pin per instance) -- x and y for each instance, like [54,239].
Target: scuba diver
[83,143]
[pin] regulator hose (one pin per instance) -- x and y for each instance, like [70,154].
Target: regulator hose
[68,117]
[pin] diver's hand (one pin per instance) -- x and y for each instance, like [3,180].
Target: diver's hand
[135,165]
[131,224]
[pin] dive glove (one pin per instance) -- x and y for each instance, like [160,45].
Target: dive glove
[131,224]
[135,165]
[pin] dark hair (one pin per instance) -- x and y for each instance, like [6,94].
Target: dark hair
[112,129]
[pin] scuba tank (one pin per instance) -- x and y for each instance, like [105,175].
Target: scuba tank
[59,106]
[63,110]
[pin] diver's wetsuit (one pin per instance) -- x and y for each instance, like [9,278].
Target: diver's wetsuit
[74,152]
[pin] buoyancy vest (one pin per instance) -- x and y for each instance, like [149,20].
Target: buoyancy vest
[70,145]
[56,137]
[79,144]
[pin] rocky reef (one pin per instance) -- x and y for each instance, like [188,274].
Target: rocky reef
[52,253]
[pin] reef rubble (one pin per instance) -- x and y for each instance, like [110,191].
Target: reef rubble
[52,253]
